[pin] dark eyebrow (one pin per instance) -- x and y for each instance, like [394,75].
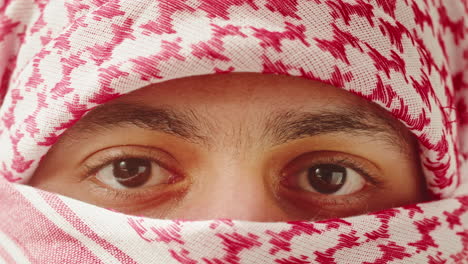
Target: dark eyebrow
[184,125]
[280,127]
[377,125]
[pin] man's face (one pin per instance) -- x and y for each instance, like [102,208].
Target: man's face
[239,146]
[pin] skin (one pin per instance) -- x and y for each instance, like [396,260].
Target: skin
[244,155]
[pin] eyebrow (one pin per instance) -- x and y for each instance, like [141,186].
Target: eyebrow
[292,125]
[280,127]
[184,125]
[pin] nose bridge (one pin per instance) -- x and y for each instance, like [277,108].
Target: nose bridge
[233,193]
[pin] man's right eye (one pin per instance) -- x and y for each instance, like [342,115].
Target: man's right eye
[133,173]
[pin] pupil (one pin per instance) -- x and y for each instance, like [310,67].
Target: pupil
[132,172]
[327,178]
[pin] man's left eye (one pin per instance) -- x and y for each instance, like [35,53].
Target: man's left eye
[133,173]
[331,179]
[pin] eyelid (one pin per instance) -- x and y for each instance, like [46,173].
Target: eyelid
[102,158]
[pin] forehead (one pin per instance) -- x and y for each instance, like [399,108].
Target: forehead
[240,90]
[279,108]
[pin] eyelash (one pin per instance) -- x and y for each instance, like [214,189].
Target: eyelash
[91,168]
[356,166]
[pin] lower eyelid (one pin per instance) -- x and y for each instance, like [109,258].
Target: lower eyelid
[352,202]
[134,196]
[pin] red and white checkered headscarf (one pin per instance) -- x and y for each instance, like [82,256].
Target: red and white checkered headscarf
[59,59]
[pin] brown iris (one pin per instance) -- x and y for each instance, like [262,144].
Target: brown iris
[326,178]
[132,172]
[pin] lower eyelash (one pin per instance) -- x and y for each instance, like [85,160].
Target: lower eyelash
[114,194]
[345,200]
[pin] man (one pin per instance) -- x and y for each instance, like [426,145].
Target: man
[240,146]
[130,131]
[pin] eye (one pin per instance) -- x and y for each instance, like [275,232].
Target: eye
[331,179]
[331,173]
[133,173]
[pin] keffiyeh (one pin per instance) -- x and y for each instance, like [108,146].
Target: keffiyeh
[59,59]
